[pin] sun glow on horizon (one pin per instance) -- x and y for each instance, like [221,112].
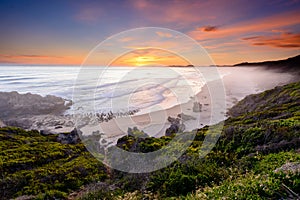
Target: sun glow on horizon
[149,57]
[144,60]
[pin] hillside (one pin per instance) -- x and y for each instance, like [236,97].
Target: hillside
[256,157]
[289,64]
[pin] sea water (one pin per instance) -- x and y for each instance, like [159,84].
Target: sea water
[121,89]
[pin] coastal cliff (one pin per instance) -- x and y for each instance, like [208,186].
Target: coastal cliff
[290,64]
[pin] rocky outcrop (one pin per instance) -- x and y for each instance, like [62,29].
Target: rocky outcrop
[47,124]
[68,138]
[177,124]
[175,127]
[290,167]
[13,104]
[32,111]
[135,132]
[185,117]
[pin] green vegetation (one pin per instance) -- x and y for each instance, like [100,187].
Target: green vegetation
[32,164]
[262,135]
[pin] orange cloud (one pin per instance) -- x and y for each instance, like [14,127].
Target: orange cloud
[162,34]
[285,40]
[126,39]
[39,59]
[252,26]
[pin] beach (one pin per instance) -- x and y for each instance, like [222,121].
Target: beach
[213,109]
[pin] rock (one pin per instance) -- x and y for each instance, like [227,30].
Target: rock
[173,120]
[197,107]
[2,124]
[172,129]
[13,104]
[135,132]
[68,138]
[185,117]
[290,167]
[175,128]
[45,132]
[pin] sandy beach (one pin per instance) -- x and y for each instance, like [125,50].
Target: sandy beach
[234,87]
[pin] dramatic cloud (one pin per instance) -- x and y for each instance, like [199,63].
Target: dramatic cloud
[253,26]
[285,40]
[208,28]
[69,30]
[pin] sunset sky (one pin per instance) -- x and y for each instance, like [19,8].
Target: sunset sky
[64,32]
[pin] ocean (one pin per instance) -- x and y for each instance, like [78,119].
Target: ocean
[121,89]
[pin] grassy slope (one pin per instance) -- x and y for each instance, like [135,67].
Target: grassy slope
[32,164]
[262,135]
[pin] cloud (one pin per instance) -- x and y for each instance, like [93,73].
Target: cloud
[250,38]
[163,34]
[149,56]
[39,59]
[285,40]
[126,39]
[266,24]
[208,28]
[27,56]
[181,13]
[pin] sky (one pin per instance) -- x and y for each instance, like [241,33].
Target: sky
[64,32]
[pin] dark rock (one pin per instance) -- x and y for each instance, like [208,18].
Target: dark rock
[172,130]
[185,117]
[13,104]
[173,120]
[135,132]
[45,132]
[68,138]
[197,107]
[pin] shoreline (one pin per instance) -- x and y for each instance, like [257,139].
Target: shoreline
[154,123]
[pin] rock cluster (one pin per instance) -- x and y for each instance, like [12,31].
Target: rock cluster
[68,138]
[13,104]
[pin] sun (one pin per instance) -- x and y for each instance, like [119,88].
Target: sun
[144,60]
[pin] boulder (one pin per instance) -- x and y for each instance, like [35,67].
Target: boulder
[174,128]
[197,107]
[185,117]
[290,167]
[68,138]
[173,120]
